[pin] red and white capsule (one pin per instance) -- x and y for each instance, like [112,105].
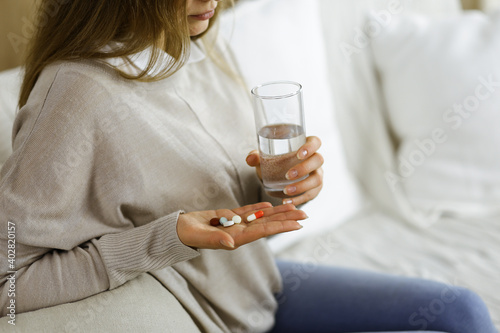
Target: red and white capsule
[255,216]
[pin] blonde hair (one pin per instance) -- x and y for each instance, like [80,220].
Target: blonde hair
[79,29]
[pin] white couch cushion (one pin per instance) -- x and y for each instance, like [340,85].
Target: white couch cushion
[140,305]
[10,84]
[441,83]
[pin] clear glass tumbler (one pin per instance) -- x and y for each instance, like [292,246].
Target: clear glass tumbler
[279,120]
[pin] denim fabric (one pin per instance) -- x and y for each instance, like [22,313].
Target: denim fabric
[331,299]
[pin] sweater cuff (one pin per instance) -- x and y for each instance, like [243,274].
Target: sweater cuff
[152,246]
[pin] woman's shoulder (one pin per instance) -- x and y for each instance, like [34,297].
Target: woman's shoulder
[68,96]
[76,77]
[72,86]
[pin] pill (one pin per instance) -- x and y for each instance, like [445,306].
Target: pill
[236,219]
[255,216]
[215,221]
[222,220]
[227,223]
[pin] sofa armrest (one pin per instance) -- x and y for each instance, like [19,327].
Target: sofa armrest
[140,305]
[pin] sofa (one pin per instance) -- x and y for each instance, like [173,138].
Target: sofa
[401,194]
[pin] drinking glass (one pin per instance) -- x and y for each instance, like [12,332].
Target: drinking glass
[279,120]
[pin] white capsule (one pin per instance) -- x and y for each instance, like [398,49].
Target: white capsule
[227,224]
[236,219]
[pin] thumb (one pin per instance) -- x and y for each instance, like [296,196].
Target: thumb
[253,158]
[218,239]
[226,241]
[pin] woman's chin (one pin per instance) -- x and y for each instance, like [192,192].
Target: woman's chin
[198,28]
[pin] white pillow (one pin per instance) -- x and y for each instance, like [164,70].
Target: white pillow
[441,82]
[10,84]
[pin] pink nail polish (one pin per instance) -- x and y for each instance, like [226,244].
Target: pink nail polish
[302,154]
[292,174]
[290,190]
[227,244]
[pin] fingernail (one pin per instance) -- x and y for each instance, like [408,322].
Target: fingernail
[227,244]
[300,227]
[252,153]
[289,190]
[287,201]
[292,174]
[301,154]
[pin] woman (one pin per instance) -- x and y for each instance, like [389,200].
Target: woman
[124,150]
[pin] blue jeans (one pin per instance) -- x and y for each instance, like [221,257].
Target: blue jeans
[331,299]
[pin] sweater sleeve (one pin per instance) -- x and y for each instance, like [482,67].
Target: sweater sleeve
[64,245]
[57,276]
[149,247]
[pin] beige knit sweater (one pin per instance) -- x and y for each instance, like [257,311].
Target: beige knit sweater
[101,168]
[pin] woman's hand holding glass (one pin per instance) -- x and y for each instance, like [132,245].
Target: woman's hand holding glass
[311,162]
[194,229]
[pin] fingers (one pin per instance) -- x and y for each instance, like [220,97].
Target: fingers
[308,188]
[268,210]
[249,209]
[253,158]
[311,159]
[295,215]
[261,230]
[309,148]
[266,227]
[279,213]
[276,220]
[283,218]
[305,167]
[218,239]
[314,180]
[305,197]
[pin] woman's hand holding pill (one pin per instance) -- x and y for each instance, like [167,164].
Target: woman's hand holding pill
[311,162]
[194,229]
